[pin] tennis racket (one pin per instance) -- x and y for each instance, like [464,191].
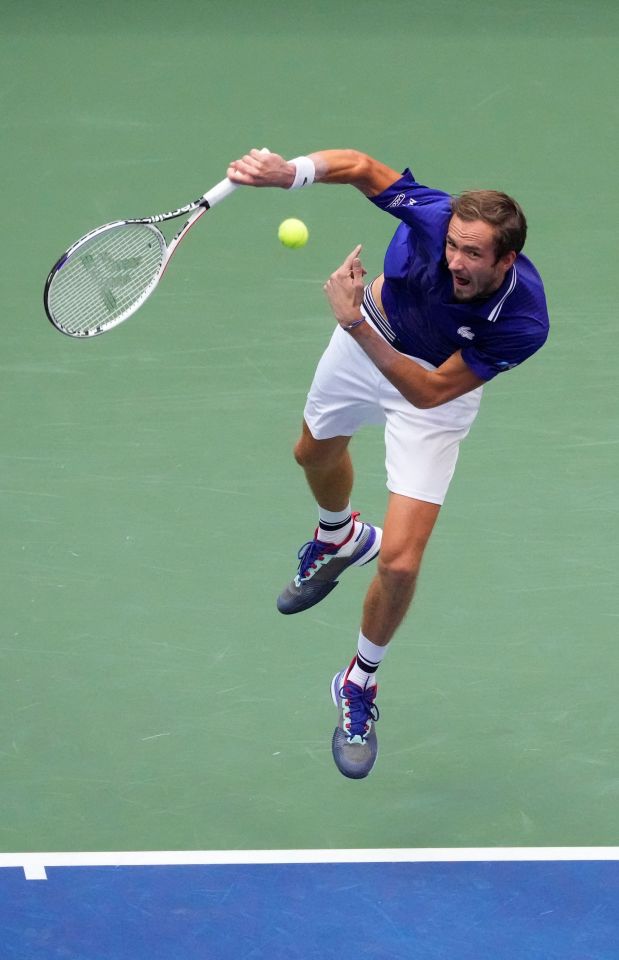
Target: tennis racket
[110,272]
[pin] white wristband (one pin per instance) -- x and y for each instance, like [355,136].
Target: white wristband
[305,173]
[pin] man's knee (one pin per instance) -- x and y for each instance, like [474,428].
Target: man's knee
[400,568]
[398,573]
[312,453]
[408,527]
[301,451]
[307,453]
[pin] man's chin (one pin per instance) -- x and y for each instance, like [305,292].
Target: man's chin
[462,293]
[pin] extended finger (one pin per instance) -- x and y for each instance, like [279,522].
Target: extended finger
[354,254]
[346,267]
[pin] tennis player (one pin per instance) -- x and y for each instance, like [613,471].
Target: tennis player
[457,304]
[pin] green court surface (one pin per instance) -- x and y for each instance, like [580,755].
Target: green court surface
[152,696]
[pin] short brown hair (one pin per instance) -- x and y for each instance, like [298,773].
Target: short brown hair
[500,211]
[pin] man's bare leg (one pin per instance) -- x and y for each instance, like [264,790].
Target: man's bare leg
[341,541]
[407,529]
[328,468]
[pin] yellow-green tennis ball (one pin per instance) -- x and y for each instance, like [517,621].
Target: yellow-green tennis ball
[293,233]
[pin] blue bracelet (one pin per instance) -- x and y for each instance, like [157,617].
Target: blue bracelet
[355,323]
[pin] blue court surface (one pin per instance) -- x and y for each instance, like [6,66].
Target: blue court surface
[418,905]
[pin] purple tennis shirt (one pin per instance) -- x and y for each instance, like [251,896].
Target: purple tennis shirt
[424,319]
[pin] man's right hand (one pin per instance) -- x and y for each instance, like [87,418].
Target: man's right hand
[261,168]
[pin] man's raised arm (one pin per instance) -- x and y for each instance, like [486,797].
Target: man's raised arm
[261,169]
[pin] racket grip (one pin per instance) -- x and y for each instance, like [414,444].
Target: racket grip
[220,191]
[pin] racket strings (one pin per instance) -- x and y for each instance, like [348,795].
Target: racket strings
[105,277]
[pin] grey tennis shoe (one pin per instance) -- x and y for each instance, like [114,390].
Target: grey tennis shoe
[320,565]
[354,745]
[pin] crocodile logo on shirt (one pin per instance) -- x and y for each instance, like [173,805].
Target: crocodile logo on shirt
[466,332]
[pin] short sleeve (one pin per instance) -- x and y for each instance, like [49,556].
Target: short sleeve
[502,353]
[424,210]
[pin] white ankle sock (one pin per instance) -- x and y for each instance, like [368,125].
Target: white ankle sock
[368,659]
[334,527]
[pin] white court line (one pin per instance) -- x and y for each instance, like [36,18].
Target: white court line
[34,864]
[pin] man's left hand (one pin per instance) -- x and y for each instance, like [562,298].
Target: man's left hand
[344,289]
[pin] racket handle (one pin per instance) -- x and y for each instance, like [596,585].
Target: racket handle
[219,192]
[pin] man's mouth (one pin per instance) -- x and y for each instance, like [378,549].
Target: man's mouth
[460,282]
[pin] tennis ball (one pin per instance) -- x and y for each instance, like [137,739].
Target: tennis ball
[293,233]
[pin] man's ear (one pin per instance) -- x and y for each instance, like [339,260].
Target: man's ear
[508,260]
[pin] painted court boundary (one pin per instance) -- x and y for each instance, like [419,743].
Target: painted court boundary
[34,864]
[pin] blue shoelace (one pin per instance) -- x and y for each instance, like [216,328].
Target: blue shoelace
[361,708]
[310,552]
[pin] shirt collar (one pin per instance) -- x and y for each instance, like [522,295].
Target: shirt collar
[493,306]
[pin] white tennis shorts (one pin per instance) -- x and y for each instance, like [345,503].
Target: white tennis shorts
[348,391]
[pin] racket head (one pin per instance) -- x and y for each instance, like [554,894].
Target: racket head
[104,277]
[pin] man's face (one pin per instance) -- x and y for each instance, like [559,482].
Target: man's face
[471,259]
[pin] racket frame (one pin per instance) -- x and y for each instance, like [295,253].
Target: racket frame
[196,209]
